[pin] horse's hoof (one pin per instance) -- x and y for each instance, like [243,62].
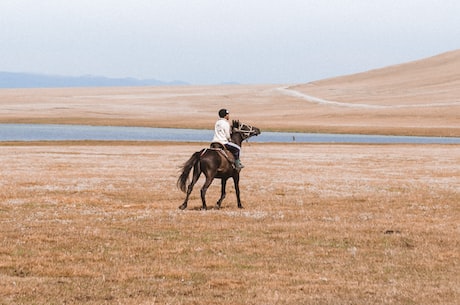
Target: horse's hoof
[203,208]
[182,207]
[240,207]
[217,207]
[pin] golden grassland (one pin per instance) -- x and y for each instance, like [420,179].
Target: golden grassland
[98,223]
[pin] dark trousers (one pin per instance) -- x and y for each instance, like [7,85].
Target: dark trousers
[234,150]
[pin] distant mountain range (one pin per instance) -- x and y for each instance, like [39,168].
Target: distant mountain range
[30,80]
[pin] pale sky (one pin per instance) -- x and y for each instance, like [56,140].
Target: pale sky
[216,41]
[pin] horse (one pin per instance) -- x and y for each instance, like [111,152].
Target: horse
[215,162]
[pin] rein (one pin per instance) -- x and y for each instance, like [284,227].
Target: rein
[247,132]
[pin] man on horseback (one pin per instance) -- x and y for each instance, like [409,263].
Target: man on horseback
[222,135]
[211,163]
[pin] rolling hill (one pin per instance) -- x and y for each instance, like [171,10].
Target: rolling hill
[30,80]
[415,98]
[433,80]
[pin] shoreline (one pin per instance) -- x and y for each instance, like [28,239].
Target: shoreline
[196,106]
[342,130]
[201,144]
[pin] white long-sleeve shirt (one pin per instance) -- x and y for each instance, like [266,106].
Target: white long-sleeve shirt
[222,131]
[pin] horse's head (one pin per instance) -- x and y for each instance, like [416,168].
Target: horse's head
[246,131]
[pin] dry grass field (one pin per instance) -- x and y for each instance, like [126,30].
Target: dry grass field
[98,222]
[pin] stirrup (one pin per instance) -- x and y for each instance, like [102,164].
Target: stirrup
[238,164]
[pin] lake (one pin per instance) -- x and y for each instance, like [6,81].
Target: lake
[51,132]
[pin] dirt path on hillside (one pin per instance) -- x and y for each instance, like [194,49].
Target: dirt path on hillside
[313,99]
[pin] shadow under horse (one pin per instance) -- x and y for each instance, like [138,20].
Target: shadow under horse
[215,162]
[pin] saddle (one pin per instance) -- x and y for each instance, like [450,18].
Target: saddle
[217,145]
[224,151]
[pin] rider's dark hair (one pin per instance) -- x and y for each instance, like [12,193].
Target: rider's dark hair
[223,113]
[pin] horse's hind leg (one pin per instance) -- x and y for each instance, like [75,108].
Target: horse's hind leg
[183,206]
[196,175]
[222,192]
[205,187]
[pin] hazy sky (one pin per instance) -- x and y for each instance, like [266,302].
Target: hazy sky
[215,41]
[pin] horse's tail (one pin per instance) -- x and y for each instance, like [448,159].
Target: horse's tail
[186,168]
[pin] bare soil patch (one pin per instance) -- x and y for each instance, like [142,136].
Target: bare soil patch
[322,224]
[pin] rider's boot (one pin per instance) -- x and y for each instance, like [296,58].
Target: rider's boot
[238,164]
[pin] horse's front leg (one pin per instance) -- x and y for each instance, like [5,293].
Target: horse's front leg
[222,192]
[236,180]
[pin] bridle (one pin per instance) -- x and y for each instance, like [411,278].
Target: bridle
[245,130]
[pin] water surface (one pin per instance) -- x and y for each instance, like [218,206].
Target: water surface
[52,132]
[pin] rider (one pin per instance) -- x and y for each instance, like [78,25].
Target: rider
[222,134]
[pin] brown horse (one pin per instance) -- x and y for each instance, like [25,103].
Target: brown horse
[215,162]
